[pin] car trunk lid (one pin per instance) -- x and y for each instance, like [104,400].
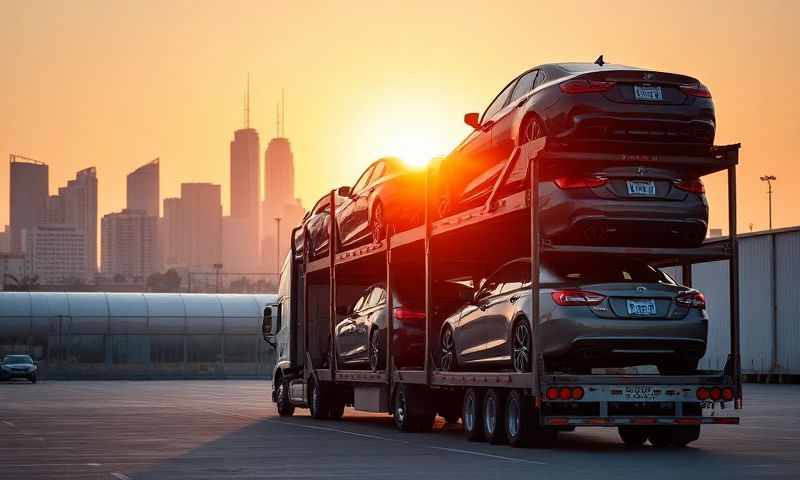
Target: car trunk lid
[643,86]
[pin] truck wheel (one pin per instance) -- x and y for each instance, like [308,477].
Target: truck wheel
[518,419]
[336,410]
[494,418]
[684,435]
[632,436]
[285,407]
[412,410]
[660,437]
[472,415]
[317,402]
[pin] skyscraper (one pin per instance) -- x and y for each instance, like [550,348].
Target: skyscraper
[143,184]
[28,197]
[56,253]
[201,221]
[79,202]
[171,244]
[129,244]
[245,191]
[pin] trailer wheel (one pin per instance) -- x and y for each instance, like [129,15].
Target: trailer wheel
[632,436]
[285,407]
[518,419]
[412,412]
[684,435]
[660,437]
[494,418]
[317,402]
[472,415]
[336,409]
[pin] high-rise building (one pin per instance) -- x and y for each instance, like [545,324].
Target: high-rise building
[28,198]
[79,202]
[56,253]
[245,191]
[281,210]
[5,240]
[129,244]
[143,184]
[201,219]
[172,253]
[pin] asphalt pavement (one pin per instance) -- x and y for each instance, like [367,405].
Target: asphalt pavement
[230,429]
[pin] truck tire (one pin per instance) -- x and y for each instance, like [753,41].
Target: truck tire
[684,435]
[632,436]
[494,418]
[317,401]
[472,415]
[285,407]
[519,421]
[660,436]
[336,409]
[412,409]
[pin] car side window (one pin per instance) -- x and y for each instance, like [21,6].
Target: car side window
[362,301]
[377,172]
[363,180]
[498,103]
[524,85]
[492,286]
[540,79]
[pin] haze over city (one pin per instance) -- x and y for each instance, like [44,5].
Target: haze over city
[114,85]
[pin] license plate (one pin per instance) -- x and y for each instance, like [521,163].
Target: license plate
[650,94]
[641,307]
[639,392]
[641,189]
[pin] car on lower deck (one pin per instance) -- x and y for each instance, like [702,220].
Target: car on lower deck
[595,312]
[360,335]
[18,366]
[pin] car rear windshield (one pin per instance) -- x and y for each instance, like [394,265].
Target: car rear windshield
[595,270]
[17,359]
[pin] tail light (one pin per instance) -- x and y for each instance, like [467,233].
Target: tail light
[691,299]
[577,393]
[727,394]
[571,298]
[580,85]
[565,393]
[716,393]
[696,90]
[552,393]
[702,393]
[403,313]
[568,183]
[695,185]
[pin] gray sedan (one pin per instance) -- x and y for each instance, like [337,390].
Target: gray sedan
[595,312]
[18,366]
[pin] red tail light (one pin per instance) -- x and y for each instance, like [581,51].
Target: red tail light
[404,313]
[702,393]
[571,298]
[565,393]
[716,393]
[577,393]
[691,299]
[727,394]
[580,85]
[552,393]
[696,90]
[567,183]
[694,185]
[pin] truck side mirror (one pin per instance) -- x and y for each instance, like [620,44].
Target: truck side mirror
[268,328]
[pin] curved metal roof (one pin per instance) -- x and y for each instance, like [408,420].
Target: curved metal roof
[80,304]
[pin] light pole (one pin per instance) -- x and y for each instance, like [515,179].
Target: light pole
[278,245]
[769,179]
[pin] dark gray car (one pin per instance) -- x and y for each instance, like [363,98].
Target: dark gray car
[595,312]
[18,366]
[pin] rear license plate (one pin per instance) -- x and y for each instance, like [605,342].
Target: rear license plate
[650,94]
[639,392]
[641,307]
[641,189]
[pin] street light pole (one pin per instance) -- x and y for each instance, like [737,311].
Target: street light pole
[769,179]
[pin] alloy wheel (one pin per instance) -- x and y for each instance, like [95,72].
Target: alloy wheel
[521,347]
[377,223]
[448,355]
[374,351]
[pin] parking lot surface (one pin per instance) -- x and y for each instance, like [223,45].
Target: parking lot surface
[230,429]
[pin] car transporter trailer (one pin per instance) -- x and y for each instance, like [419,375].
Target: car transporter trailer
[543,402]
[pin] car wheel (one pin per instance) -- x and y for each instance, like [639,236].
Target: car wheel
[472,415]
[317,402]
[494,418]
[33,378]
[632,436]
[376,357]
[377,223]
[531,129]
[285,407]
[521,346]
[447,359]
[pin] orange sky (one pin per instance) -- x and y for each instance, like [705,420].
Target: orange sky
[115,84]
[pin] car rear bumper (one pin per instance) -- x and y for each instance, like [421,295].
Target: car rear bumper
[602,343]
[624,222]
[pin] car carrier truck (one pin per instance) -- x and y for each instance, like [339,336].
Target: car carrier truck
[497,406]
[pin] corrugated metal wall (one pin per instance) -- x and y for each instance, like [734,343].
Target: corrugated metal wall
[770,329]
